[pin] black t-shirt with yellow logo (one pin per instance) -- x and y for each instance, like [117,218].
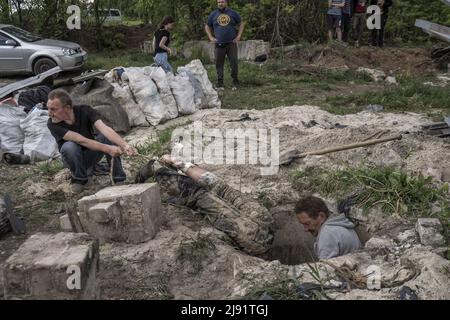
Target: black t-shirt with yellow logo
[224,23]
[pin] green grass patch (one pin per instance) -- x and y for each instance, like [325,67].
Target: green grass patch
[195,251]
[282,288]
[115,58]
[394,190]
[50,168]
[158,146]
[410,95]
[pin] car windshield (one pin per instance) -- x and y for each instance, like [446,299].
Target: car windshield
[21,34]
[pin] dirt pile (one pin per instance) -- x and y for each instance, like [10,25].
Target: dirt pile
[412,61]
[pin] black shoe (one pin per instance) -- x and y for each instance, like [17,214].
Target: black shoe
[11,158]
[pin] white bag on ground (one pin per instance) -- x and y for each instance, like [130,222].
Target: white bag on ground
[199,96]
[125,99]
[184,94]
[161,79]
[147,96]
[200,73]
[122,93]
[11,135]
[39,144]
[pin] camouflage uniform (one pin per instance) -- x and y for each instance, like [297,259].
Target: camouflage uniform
[242,218]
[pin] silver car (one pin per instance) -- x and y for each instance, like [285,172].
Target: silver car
[21,51]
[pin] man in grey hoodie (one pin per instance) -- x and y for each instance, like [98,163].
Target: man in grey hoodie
[336,235]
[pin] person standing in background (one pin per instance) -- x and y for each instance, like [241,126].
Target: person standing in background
[378,34]
[347,14]
[161,44]
[359,20]
[221,28]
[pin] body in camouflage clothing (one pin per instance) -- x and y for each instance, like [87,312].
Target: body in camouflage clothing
[243,219]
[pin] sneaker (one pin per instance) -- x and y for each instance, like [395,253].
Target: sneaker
[220,86]
[77,188]
[235,84]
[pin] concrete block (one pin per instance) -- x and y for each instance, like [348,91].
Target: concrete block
[429,230]
[53,267]
[64,223]
[247,50]
[129,214]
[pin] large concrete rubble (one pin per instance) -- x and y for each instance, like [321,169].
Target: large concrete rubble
[62,266]
[122,214]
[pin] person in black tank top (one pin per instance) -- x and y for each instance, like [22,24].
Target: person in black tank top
[161,44]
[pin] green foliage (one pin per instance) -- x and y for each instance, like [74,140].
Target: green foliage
[298,19]
[113,41]
[409,96]
[394,190]
[158,146]
[50,168]
[195,251]
[282,288]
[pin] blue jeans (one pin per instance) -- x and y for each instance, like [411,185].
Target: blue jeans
[162,60]
[81,161]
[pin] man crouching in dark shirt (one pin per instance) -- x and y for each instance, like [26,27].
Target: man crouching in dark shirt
[73,129]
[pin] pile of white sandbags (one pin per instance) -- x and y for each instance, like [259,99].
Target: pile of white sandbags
[150,96]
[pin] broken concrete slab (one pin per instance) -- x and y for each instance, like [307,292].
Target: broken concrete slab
[129,214]
[429,230]
[53,267]
[247,50]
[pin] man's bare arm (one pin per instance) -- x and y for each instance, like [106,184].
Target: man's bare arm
[241,31]
[112,136]
[209,32]
[92,144]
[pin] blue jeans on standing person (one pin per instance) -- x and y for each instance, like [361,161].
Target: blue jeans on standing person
[82,161]
[162,60]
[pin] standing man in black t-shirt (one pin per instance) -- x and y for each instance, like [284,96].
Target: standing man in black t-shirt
[73,129]
[162,42]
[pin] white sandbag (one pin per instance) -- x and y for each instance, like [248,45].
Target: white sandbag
[147,96]
[11,135]
[122,93]
[199,96]
[184,94]
[161,79]
[125,99]
[212,98]
[39,144]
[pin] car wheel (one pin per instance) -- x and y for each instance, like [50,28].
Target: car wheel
[43,64]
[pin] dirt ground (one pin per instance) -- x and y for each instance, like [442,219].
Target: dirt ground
[154,270]
[410,61]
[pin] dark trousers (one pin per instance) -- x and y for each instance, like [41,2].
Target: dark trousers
[221,51]
[346,26]
[81,161]
[378,35]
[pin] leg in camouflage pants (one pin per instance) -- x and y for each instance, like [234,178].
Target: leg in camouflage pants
[242,218]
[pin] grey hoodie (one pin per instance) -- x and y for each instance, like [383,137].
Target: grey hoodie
[337,237]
